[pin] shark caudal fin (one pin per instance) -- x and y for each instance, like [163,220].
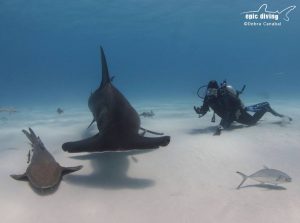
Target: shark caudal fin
[244,179]
[105,74]
[286,11]
[34,140]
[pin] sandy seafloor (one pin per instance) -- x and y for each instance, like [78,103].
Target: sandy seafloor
[191,180]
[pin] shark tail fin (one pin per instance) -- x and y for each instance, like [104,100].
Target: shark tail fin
[105,74]
[34,140]
[286,11]
[244,179]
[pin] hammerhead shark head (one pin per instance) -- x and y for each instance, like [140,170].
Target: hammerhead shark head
[117,121]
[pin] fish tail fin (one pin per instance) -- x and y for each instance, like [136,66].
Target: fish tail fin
[244,179]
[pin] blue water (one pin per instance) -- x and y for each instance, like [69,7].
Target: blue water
[49,50]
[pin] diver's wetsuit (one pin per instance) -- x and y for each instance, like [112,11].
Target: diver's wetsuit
[230,108]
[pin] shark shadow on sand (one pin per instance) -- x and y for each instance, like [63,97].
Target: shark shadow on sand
[117,121]
[109,171]
[212,129]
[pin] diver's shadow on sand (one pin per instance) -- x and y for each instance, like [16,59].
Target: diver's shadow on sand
[109,172]
[212,129]
[281,123]
[207,130]
[264,186]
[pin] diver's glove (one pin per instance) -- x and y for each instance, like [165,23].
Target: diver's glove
[199,111]
[218,131]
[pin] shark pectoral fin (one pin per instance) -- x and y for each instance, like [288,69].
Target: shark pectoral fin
[152,132]
[19,176]
[67,170]
[91,123]
[142,133]
[140,142]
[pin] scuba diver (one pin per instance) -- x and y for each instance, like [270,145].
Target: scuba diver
[225,102]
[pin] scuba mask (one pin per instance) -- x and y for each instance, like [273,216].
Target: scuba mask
[212,92]
[201,92]
[204,91]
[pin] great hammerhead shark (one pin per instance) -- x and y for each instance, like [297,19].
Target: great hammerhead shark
[117,121]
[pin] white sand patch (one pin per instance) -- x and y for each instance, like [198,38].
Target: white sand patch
[191,180]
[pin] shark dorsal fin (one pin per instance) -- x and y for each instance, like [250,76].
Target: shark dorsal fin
[263,8]
[105,74]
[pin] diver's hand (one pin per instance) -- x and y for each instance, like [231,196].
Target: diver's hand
[218,131]
[197,110]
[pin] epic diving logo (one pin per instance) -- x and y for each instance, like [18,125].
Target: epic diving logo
[262,17]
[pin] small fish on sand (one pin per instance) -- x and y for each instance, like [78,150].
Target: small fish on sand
[8,110]
[268,176]
[134,159]
[3,119]
[59,111]
[149,114]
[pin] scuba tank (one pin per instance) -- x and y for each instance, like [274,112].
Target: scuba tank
[231,90]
